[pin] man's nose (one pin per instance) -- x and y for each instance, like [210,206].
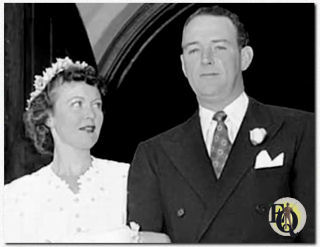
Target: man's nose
[207,56]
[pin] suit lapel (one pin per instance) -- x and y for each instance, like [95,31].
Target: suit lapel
[241,159]
[188,153]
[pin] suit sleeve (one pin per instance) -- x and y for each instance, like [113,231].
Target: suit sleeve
[303,186]
[144,204]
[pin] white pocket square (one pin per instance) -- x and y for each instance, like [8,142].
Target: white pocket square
[263,160]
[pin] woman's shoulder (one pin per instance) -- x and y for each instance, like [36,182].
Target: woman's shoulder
[25,184]
[111,164]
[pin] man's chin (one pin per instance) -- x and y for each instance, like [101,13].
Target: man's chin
[209,94]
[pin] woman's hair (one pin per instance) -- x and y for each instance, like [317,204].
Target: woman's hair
[40,106]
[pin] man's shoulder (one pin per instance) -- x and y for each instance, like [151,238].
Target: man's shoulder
[174,132]
[285,113]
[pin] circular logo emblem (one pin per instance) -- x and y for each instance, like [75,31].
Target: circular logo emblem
[287,216]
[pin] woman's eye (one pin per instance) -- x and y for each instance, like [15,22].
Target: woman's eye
[98,105]
[76,104]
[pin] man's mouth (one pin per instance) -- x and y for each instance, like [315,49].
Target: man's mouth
[209,74]
[88,128]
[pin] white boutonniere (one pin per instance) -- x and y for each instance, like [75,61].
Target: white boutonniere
[257,136]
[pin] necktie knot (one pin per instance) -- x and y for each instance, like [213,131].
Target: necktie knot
[220,116]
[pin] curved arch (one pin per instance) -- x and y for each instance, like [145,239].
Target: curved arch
[112,22]
[135,35]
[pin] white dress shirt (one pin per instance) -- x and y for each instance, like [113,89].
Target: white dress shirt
[235,114]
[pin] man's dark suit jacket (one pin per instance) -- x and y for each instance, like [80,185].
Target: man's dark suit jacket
[172,187]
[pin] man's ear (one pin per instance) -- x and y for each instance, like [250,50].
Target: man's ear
[246,57]
[182,65]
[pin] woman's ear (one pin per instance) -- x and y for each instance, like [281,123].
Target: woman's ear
[246,57]
[49,121]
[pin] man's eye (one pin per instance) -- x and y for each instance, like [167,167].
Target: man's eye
[221,47]
[193,51]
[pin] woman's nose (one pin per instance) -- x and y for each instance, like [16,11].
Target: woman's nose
[90,113]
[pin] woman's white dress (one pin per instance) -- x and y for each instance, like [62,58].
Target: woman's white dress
[41,208]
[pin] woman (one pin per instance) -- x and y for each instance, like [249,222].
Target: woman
[77,197]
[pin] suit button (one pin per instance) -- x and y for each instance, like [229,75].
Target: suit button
[261,209]
[180,212]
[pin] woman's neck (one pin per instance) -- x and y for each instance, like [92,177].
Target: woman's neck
[70,162]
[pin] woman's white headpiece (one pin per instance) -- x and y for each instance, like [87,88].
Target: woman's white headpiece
[40,82]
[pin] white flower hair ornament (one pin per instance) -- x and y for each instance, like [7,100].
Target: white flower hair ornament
[40,82]
[257,136]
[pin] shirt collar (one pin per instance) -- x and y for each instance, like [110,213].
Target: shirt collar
[235,113]
[237,109]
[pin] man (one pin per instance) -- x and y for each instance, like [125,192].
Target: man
[213,178]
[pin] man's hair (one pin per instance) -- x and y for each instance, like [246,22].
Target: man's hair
[243,36]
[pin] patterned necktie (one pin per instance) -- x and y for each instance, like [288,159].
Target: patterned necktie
[221,144]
